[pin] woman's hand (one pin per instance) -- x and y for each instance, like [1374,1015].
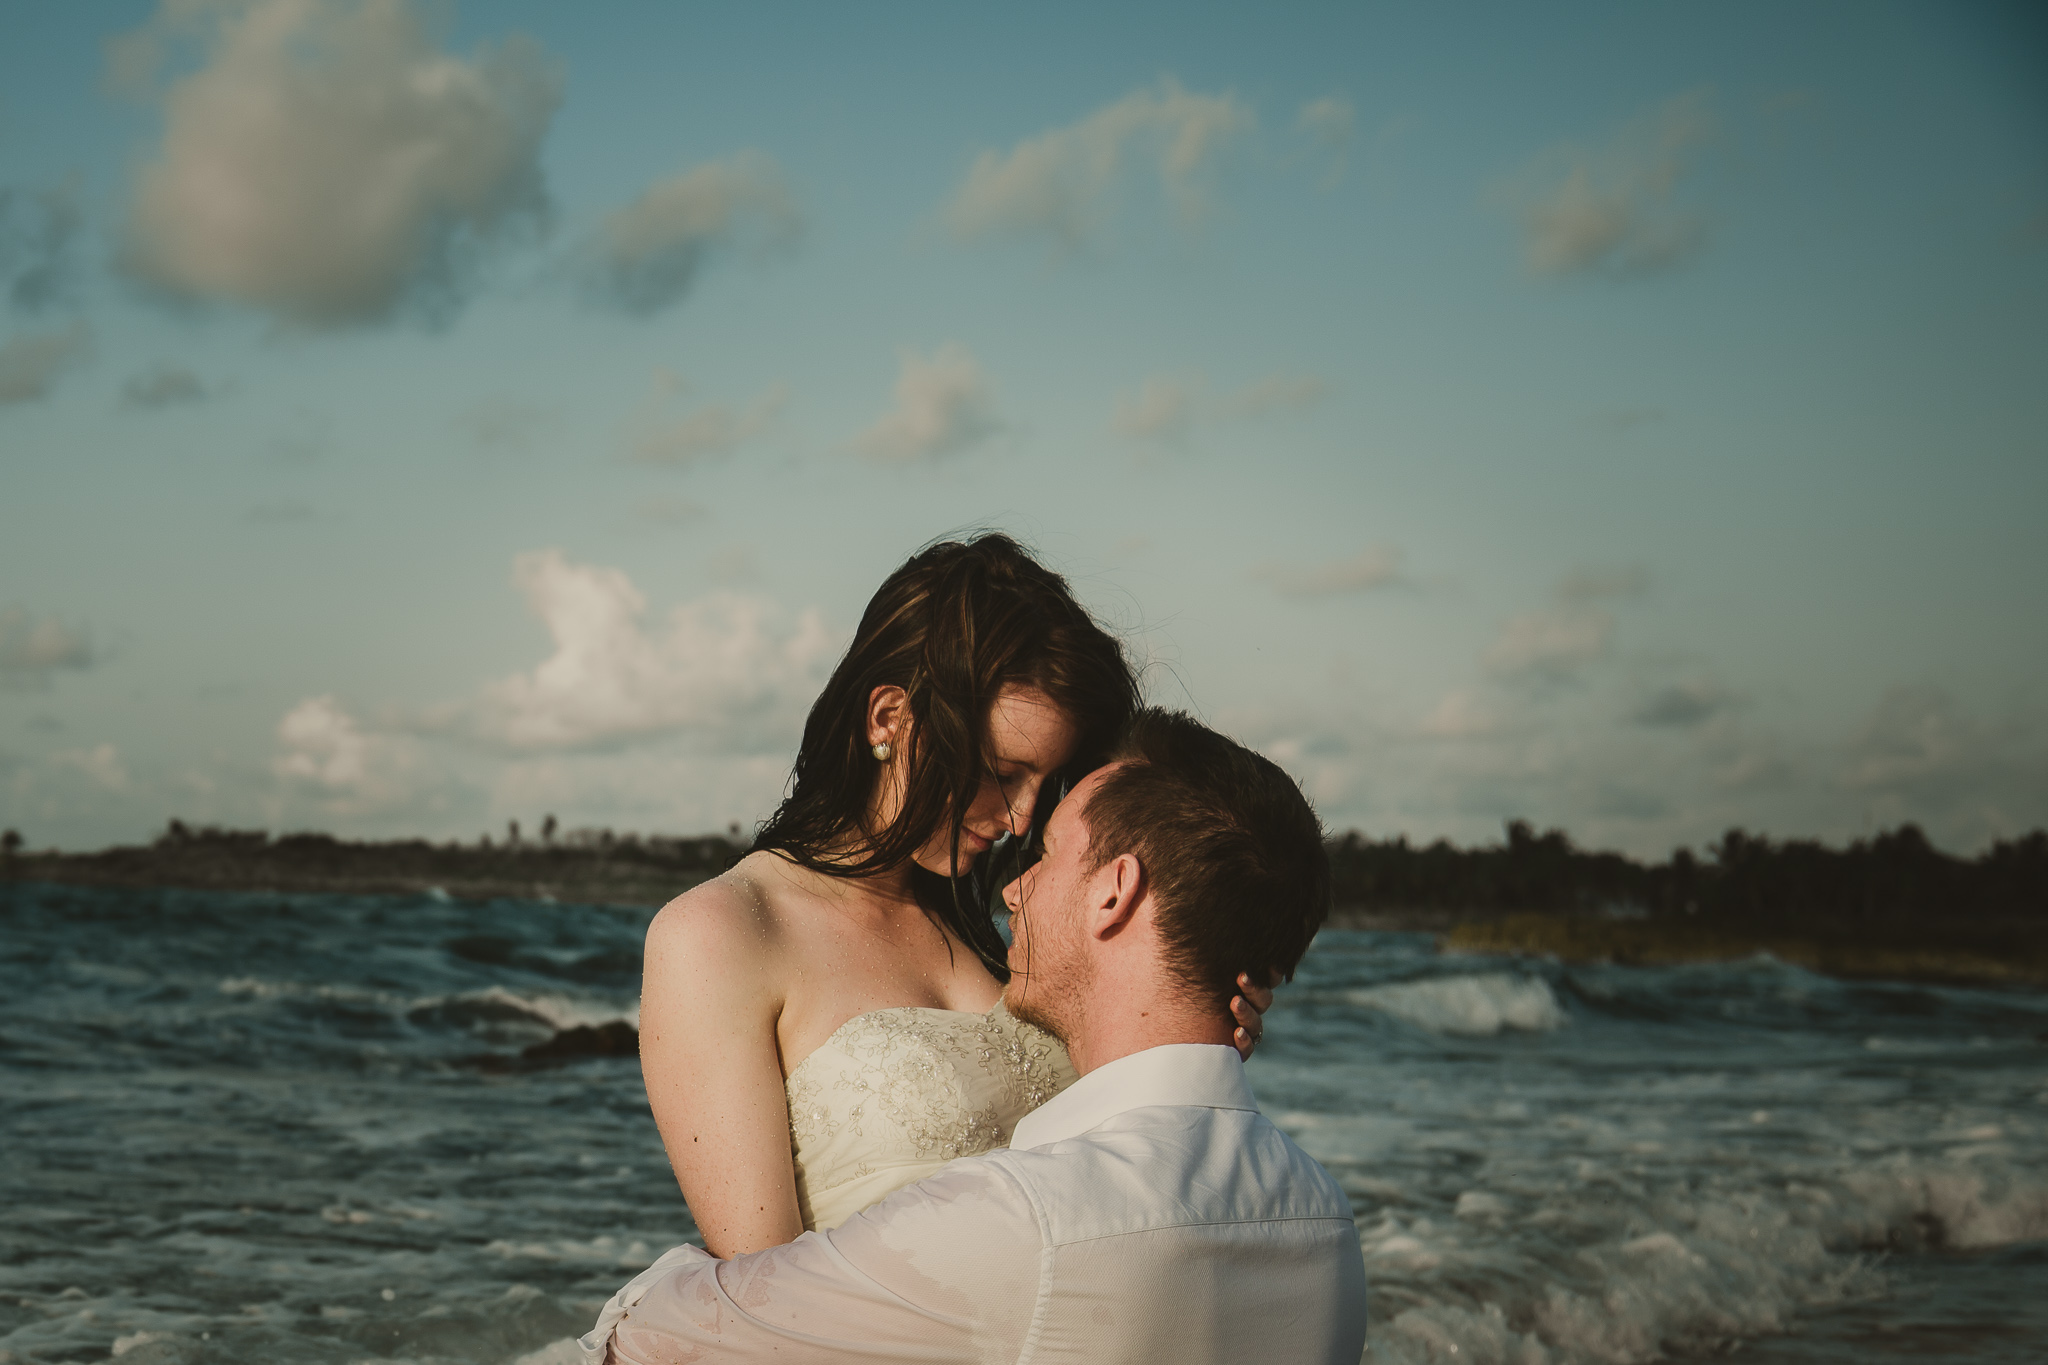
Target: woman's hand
[1249,1010]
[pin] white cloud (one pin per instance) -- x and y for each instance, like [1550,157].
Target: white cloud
[648,253]
[100,765]
[328,163]
[1329,119]
[1753,767]
[325,752]
[1375,567]
[716,665]
[710,431]
[38,234]
[323,745]
[1461,714]
[1615,209]
[163,387]
[1166,409]
[1276,394]
[1060,182]
[1552,643]
[1917,739]
[1331,122]
[654,787]
[31,650]
[1921,755]
[1161,410]
[726,679]
[943,407]
[1682,705]
[1476,753]
[30,364]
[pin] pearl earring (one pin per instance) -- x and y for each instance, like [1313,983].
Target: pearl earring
[881,752]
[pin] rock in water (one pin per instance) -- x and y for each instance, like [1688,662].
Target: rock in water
[616,1039]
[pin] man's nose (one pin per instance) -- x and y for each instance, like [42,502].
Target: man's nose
[1010,893]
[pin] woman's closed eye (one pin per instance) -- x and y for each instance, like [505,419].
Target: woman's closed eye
[1020,795]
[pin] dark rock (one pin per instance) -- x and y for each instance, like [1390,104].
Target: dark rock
[616,1039]
[487,949]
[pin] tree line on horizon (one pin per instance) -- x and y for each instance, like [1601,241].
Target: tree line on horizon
[1893,881]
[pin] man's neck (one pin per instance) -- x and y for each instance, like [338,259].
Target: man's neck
[1114,1030]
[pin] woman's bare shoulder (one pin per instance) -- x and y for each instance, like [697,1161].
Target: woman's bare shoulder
[739,915]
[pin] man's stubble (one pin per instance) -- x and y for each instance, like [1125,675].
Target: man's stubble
[1050,990]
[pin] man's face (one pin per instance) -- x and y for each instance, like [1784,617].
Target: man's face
[1049,961]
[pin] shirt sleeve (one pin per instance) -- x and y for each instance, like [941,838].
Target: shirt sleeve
[944,1270]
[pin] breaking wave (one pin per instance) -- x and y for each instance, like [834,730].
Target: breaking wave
[1467,1006]
[1706,1156]
[1623,1276]
[484,1010]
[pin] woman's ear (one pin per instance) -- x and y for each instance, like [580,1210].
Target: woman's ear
[888,715]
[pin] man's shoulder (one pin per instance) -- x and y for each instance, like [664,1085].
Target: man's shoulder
[1173,1166]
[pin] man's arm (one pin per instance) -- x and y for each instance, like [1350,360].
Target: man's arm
[945,1270]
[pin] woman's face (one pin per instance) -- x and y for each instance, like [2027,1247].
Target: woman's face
[1030,739]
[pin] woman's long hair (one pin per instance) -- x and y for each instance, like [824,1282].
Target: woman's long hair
[958,621]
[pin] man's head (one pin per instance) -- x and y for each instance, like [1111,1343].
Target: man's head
[1184,861]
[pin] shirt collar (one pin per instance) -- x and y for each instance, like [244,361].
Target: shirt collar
[1191,1075]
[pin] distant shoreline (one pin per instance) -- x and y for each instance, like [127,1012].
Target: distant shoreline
[648,872]
[1650,943]
[546,878]
[1893,909]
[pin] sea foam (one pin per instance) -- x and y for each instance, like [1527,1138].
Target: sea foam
[1468,1006]
[1630,1269]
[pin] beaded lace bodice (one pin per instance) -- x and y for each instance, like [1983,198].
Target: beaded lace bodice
[895,1094]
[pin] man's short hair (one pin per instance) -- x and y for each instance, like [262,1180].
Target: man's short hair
[1231,847]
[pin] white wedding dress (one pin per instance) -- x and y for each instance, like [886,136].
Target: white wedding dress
[895,1094]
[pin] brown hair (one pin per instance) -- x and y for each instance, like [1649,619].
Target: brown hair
[1231,847]
[950,627]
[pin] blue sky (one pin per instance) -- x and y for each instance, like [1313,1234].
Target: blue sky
[1621,417]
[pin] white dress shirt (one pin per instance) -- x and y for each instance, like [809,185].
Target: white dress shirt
[1149,1213]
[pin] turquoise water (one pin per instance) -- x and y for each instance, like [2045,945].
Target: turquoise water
[283,1128]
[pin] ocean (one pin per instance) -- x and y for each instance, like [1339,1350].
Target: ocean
[296,1128]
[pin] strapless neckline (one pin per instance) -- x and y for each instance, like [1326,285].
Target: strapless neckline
[895,1093]
[866,1017]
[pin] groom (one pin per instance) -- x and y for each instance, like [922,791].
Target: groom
[1148,1213]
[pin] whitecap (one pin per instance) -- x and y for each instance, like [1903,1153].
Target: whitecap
[123,1345]
[495,1005]
[1467,1006]
[1635,1272]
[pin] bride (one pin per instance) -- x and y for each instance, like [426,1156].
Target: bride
[824,1023]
